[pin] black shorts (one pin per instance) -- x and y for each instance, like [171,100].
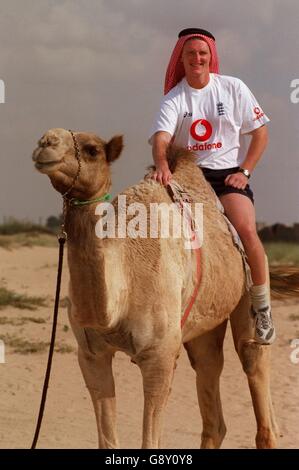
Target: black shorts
[216,179]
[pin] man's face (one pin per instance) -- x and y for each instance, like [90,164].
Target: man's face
[196,58]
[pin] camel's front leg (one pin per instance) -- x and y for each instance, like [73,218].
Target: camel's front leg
[206,357]
[157,369]
[97,373]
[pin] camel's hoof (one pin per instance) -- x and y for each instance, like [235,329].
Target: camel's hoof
[265,439]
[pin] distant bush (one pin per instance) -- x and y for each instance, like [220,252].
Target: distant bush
[53,223]
[279,233]
[12,226]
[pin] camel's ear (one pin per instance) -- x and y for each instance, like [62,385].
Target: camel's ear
[113,148]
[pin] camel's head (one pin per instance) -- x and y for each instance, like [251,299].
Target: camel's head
[56,157]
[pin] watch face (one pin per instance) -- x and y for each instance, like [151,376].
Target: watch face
[245,172]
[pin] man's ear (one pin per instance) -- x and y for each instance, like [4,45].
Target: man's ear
[113,148]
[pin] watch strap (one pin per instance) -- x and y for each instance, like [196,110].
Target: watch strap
[245,172]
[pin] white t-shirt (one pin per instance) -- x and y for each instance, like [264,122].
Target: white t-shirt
[211,121]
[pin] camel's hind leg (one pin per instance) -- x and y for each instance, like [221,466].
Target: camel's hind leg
[97,373]
[206,357]
[255,360]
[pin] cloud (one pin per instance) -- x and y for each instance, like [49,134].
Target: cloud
[99,65]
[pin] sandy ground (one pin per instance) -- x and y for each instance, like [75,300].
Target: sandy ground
[69,421]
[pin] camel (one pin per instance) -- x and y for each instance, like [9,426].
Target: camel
[128,294]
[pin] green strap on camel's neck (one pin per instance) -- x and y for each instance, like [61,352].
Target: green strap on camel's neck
[78,202]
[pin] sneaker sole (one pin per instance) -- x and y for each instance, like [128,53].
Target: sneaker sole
[263,341]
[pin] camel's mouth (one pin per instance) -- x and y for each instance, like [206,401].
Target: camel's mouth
[46,159]
[46,166]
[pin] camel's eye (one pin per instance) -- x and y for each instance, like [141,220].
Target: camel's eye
[91,150]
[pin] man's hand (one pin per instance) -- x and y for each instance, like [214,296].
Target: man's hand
[162,174]
[237,180]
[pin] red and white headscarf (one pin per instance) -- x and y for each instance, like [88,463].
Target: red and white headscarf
[175,70]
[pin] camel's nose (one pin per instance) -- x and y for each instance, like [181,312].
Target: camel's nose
[49,140]
[47,149]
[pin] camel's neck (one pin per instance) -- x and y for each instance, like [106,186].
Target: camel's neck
[81,219]
[80,225]
[86,265]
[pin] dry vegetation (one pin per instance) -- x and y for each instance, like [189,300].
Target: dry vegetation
[22,301]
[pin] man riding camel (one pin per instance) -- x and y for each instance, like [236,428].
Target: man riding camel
[210,114]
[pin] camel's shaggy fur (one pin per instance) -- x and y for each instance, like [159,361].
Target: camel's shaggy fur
[128,294]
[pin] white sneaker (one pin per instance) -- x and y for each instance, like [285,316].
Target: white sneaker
[263,325]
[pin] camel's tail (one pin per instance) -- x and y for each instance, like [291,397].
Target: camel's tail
[284,281]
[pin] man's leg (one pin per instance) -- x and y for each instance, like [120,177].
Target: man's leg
[240,211]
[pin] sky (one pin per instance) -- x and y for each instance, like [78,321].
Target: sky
[99,66]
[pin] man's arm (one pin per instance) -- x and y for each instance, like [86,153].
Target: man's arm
[161,140]
[256,148]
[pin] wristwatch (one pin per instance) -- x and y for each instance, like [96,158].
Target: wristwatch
[244,171]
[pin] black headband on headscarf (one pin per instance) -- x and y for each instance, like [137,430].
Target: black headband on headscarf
[188,31]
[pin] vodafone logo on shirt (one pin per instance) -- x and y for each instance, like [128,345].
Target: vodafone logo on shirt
[258,113]
[201,130]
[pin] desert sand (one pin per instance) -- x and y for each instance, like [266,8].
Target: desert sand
[69,421]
